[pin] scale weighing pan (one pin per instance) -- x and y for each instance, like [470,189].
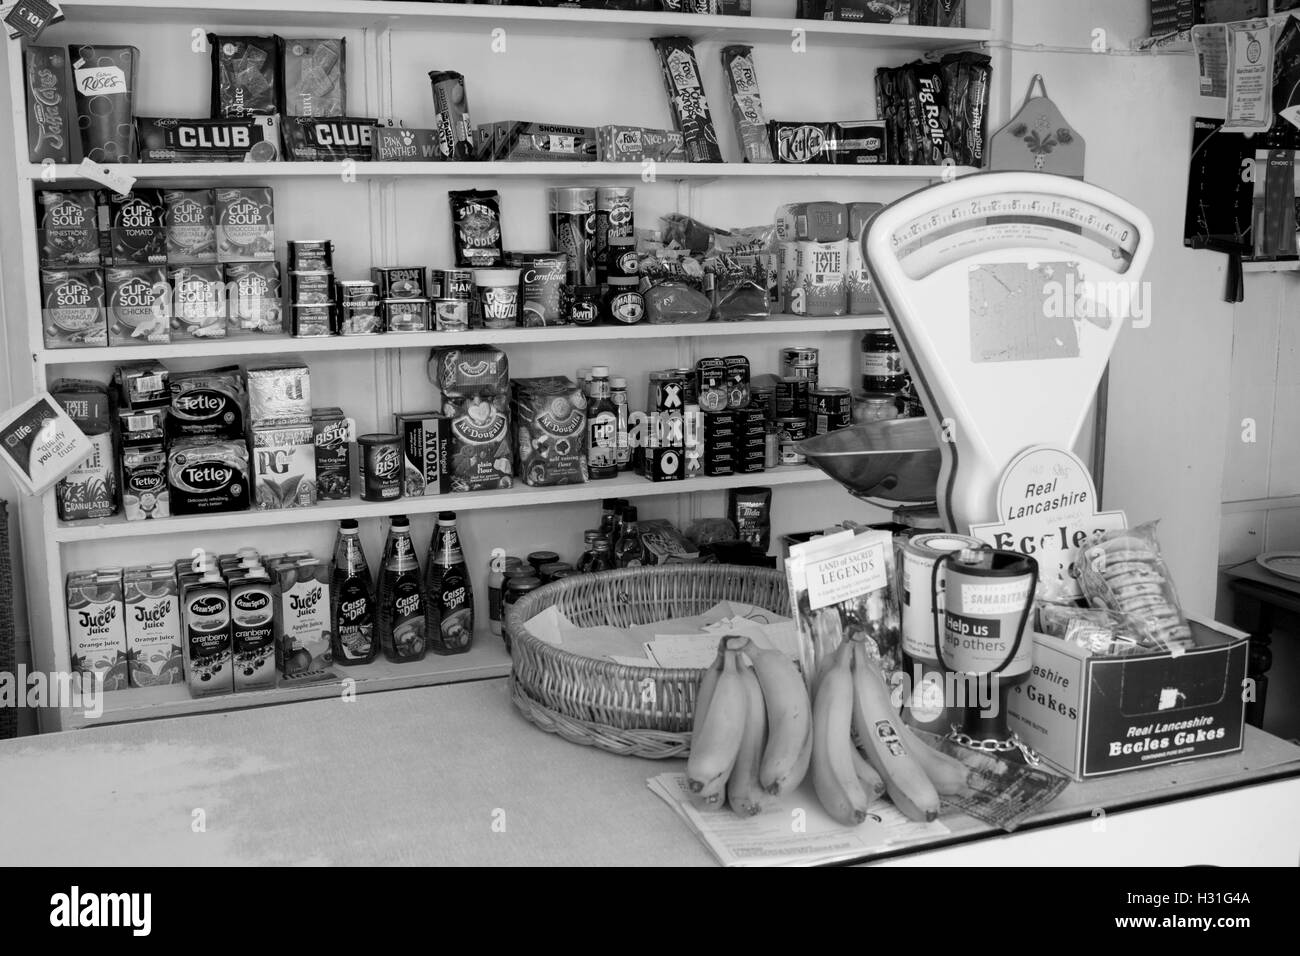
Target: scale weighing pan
[1006,292]
[896,461]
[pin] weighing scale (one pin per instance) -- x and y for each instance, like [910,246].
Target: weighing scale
[1006,292]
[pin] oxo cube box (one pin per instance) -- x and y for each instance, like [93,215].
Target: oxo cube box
[1091,716]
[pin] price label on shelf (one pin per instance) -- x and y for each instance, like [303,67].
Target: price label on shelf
[29,18]
[114,179]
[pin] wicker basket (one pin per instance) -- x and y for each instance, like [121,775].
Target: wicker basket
[635,711]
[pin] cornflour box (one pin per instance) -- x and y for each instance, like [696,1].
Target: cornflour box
[153,627]
[1093,716]
[96,631]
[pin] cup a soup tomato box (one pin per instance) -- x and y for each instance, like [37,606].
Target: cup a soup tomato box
[1091,716]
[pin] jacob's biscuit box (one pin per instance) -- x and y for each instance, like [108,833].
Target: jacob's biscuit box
[248,139]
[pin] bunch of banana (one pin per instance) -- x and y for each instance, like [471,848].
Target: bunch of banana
[752,738]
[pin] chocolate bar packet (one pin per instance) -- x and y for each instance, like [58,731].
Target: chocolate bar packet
[936,117]
[685,89]
[314,77]
[397,144]
[977,69]
[168,139]
[244,75]
[329,139]
[746,103]
[46,72]
[476,227]
[103,80]
[956,83]
[802,143]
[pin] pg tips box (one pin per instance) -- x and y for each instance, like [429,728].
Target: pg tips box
[1091,716]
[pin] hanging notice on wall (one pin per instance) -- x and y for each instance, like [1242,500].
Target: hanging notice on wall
[1250,77]
[40,443]
[1210,45]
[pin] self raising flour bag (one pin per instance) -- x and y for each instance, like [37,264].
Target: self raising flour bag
[550,417]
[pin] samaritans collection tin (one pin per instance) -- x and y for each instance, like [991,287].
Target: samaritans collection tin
[987,596]
[917,558]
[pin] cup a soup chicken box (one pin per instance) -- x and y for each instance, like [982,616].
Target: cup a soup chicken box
[1092,716]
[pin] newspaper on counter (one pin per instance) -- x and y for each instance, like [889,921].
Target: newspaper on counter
[795,832]
[1002,793]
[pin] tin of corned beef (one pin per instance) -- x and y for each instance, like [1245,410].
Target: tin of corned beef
[829,409]
[791,397]
[381,467]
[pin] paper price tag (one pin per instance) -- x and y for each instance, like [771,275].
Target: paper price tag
[29,18]
[114,179]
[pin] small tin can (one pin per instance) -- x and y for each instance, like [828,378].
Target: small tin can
[400,282]
[454,283]
[451,315]
[738,391]
[311,255]
[711,384]
[437,288]
[692,392]
[312,321]
[573,230]
[829,409]
[800,362]
[311,288]
[381,467]
[763,397]
[792,398]
[791,430]
[917,557]
[406,315]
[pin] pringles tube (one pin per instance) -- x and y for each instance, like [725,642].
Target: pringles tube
[103,82]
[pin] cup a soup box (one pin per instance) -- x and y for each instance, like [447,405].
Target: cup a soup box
[1091,716]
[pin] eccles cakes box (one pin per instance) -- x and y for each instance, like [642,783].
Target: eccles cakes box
[1092,716]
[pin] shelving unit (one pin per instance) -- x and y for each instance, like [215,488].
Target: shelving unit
[384,33]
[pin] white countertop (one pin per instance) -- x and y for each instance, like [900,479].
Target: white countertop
[438,776]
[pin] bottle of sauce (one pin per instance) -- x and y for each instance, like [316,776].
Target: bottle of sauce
[449,594]
[352,596]
[401,605]
[622,447]
[589,542]
[602,427]
[497,569]
[602,559]
[627,553]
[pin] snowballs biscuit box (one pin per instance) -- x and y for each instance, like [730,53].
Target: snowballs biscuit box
[205,633]
[252,628]
[96,632]
[153,626]
[426,452]
[90,489]
[1091,716]
[131,227]
[245,224]
[68,233]
[198,302]
[139,305]
[333,434]
[208,404]
[284,466]
[302,617]
[206,476]
[72,308]
[279,395]
[190,226]
[482,448]
[550,416]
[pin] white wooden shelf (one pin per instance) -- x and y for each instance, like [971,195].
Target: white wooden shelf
[537,21]
[520,496]
[62,175]
[1271,265]
[266,345]
[487,658]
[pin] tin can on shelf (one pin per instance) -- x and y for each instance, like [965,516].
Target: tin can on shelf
[406,315]
[875,407]
[573,230]
[791,430]
[614,228]
[882,362]
[917,558]
[792,398]
[381,467]
[451,315]
[829,410]
[311,255]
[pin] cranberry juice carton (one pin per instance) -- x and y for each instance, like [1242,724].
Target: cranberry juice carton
[252,628]
[205,608]
[96,633]
[153,626]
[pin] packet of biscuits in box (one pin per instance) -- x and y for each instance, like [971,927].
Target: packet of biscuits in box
[1096,630]
[231,139]
[314,77]
[329,138]
[46,73]
[472,368]
[245,75]
[523,141]
[746,103]
[1125,573]
[690,109]
[550,416]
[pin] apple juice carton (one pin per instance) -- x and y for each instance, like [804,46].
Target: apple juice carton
[205,637]
[96,633]
[252,627]
[302,617]
[153,626]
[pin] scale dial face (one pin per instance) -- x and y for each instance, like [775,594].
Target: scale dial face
[1007,292]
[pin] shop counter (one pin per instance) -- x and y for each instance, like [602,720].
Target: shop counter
[453,775]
